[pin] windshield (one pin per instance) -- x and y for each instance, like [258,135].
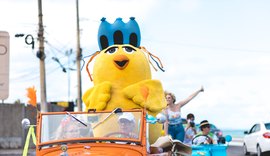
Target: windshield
[267,126]
[92,126]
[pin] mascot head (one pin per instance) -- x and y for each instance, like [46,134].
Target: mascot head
[121,58]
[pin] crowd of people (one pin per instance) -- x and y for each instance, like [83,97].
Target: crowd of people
[174,126]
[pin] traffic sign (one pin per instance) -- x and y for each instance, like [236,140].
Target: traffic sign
[4,65]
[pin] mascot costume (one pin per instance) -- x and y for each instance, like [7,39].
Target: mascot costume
[121,73]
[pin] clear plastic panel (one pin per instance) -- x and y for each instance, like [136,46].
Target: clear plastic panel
[64,126]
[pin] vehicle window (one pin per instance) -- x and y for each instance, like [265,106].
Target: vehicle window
[64,127]
[258,128]
[267,126]
[252,130]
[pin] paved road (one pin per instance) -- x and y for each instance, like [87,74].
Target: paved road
[238,151]
[16,152]
[235,151]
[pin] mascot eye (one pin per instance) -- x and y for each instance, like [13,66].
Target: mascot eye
[111,50]
[128,49]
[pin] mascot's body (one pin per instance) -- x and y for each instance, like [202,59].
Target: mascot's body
[122,75]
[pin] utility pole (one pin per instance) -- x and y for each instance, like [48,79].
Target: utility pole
[78,59]
[41,56]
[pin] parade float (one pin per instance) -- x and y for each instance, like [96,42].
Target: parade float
[122,83]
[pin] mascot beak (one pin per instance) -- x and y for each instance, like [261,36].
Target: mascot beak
[121,61]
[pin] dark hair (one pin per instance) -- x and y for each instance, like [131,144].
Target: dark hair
[192,124]
[190,115]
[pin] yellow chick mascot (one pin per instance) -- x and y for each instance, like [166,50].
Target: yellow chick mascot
[122,75]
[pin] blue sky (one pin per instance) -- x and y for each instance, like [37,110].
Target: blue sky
[222,45]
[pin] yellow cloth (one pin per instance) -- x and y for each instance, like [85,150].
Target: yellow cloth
[126,86]
[31,132]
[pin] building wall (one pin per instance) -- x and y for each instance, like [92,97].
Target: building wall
[12,135]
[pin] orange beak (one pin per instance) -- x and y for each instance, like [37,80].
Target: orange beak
[121,61]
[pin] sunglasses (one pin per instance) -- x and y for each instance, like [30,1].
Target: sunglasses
[206,126]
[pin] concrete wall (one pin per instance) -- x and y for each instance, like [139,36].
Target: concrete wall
[11,133]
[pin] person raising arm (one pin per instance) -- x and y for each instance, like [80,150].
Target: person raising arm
[173,125]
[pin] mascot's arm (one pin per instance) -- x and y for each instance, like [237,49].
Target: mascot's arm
[86,98]
[147,93]
[98,96]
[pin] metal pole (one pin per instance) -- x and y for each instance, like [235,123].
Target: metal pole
[68,54]
[41,56]
[78,59]
[68,75]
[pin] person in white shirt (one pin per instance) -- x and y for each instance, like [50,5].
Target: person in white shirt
[190,130]
[205,136]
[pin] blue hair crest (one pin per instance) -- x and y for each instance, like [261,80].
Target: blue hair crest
[118,33]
